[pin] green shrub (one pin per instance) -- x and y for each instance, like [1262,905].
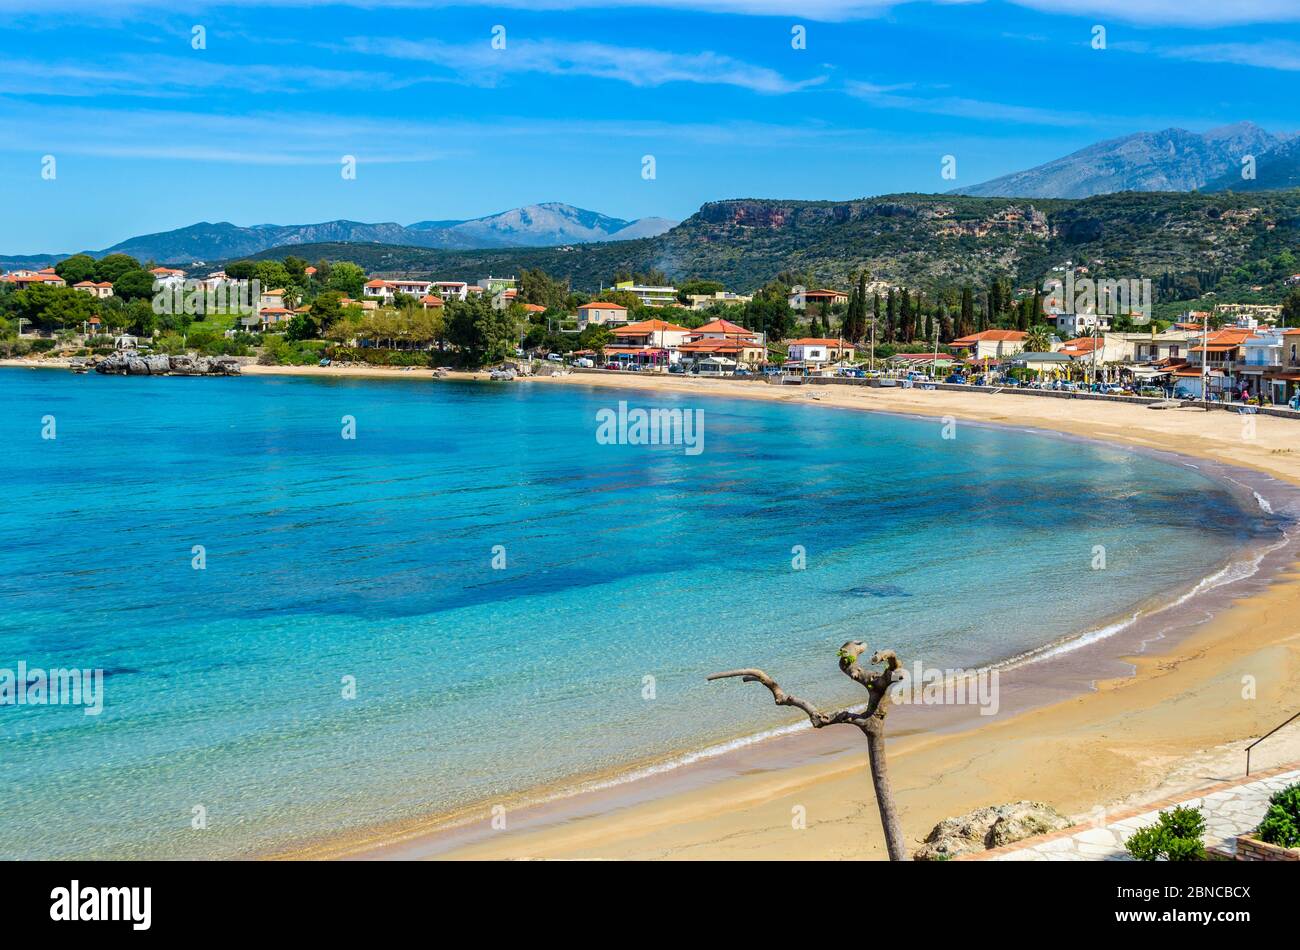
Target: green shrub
[277,351]
[1175,837]
[1281,824]
[378,357]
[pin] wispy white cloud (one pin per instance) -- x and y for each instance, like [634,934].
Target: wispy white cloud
[887,97]
[299,138]
[480,63]
[158,76]
[1276,54]
[1189,13]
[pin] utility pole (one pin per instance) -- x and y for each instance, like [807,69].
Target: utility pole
[873,340]
[1205,360]
[934,363]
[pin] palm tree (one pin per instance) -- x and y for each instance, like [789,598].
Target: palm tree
[1038,339]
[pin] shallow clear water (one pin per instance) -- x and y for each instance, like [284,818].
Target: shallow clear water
[372,558]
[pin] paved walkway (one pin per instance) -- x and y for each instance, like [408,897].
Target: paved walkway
[1230,809]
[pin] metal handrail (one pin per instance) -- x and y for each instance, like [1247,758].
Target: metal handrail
[1265,736]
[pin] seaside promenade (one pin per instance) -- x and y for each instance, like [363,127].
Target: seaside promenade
[1230,808]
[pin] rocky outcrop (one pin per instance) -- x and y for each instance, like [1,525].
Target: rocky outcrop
[989,827]
[131,363]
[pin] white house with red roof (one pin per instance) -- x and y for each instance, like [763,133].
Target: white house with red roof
[167,277]
[22,279]
[819,350]
[723,339]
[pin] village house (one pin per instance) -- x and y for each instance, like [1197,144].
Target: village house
[1216,356]
[800,299]
[1074,324]
[270,318]
[495,285]
[648,343]
[167,277]
[601,314]
[704,301]
[819,351]
[1043,363]
[100,290]
[22,279]
[650,296]
[991,344]
[725,340]
[272,299]
[1150,347]
[1269,365]
[451,289]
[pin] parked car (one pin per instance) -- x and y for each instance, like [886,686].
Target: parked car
[957,378]
[742,371]
[584,361]
[555,357]
[677,368]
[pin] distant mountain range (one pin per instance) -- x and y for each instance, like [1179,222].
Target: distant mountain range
[919,240]
[1171,160]
[540,225]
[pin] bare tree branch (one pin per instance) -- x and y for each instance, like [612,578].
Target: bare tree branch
[871,722]
[782,698]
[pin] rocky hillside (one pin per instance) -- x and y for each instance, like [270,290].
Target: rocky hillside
[914,239]
[1169,160]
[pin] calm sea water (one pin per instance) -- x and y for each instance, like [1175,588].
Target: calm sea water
[372,559]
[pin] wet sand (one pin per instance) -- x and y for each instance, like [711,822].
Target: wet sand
[1166,705]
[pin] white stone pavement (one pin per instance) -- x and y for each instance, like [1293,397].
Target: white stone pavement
[1228,813]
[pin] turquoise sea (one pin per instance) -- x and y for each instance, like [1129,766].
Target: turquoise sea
[332,561]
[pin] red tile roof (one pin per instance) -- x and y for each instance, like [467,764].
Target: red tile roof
[650,326]
[992,336]
[819,341]
[723,326]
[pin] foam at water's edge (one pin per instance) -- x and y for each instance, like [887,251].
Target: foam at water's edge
[1234,571]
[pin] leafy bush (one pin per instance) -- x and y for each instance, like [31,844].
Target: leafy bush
[1281,824]
[378,357]
[1175,837]
[277,351]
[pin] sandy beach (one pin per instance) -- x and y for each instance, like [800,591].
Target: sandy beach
[1179,720]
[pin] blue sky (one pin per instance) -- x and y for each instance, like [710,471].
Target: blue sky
[150,134]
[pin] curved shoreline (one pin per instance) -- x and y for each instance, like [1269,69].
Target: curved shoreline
[548,807]
[817,764]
